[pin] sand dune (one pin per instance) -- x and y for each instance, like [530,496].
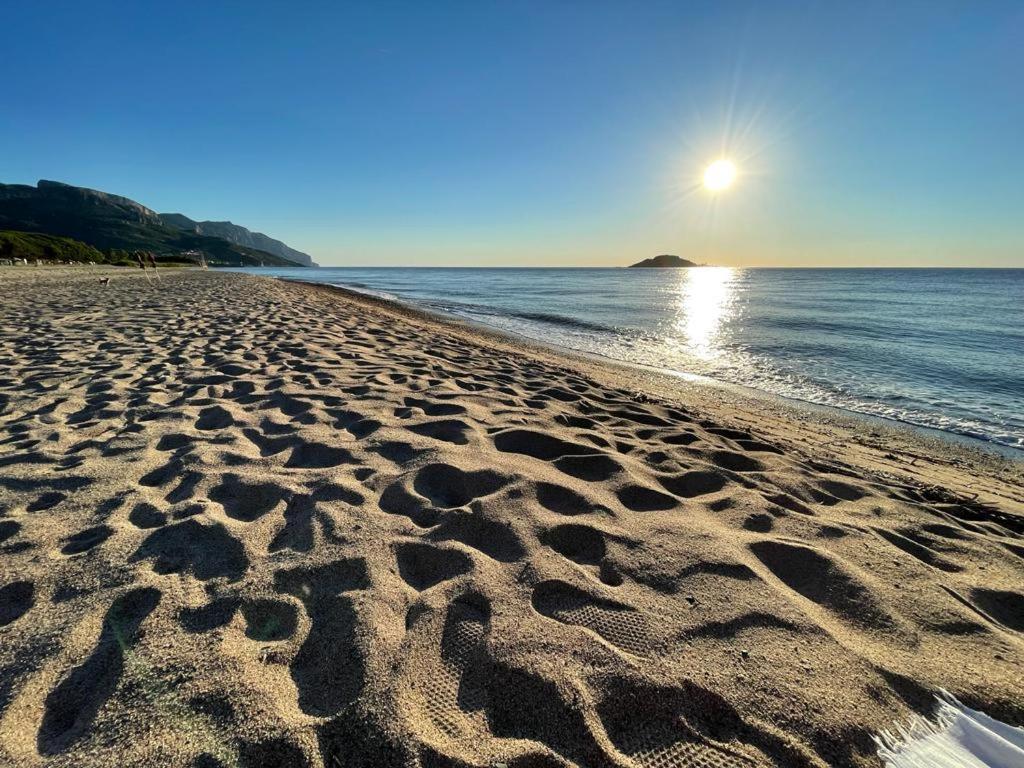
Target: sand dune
[251,523]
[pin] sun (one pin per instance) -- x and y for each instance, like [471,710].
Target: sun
[720,175]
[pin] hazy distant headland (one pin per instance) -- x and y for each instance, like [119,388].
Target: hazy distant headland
[113,224]
[664,261]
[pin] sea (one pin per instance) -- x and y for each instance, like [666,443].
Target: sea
[941,349]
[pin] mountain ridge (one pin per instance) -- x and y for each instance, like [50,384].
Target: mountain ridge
[236,233]
[107,221]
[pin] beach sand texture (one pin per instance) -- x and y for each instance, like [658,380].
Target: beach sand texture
[252,523]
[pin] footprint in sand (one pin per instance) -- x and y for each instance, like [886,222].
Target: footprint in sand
[447,430]
[687,726]
[919,551]
[344,419]
[448,696]
[448,486]
[422,566]
[639,498]
[585,546]
[213,418]
[8,529]
[16,599]
[432,408]
[396,451]
[246,501]
[694,483]
[145,515]
[495,538]
[164,474]
[215,614]
[1004,606]
[615,622]
[759,522]
[734,461]
[48,500]
[581,461]
[825,581]
[72,705]
[565,501]
[579,543]
[269,620]
[85,540]
[318,456]
[328,669]
[207,551]
[174,442]
[435,488]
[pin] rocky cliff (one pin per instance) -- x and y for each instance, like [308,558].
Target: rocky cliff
[238,235]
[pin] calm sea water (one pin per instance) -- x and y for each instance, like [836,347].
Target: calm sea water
[936,348]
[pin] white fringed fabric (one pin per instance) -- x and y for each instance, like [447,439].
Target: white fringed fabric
[955,736]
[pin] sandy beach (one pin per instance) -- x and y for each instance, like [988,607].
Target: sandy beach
[245,522]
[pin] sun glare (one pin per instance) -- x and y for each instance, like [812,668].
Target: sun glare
[706,302]
[720,175]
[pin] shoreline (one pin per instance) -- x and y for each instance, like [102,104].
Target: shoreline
[249,522]
[920,445]
[853,419]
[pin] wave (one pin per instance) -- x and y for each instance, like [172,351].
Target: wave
[495,314]
[570,322]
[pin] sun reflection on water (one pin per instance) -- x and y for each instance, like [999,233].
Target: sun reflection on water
[706,301]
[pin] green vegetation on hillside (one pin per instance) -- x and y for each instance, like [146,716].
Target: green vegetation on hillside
[35,246]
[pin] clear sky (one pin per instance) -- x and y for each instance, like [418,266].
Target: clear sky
[539,133]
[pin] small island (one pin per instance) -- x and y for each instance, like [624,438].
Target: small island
[664,261]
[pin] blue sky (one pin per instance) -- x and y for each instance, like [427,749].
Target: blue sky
[547,133]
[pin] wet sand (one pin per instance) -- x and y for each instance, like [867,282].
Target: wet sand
[253,523]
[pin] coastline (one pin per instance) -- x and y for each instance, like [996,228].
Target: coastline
[247,521]
[945,403]
[823,427]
